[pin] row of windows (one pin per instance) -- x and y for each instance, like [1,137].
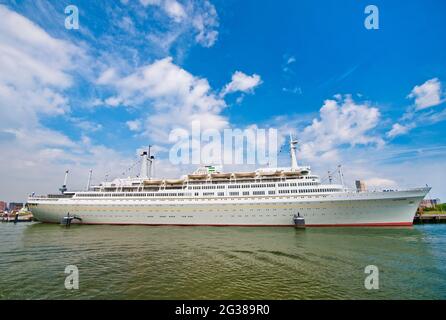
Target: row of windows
[212,187]
[187,194]
[208,187]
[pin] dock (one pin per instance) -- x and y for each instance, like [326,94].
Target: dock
[429,218]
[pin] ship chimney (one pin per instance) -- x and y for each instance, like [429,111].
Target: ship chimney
[151,162]
[144,165]
[293,148]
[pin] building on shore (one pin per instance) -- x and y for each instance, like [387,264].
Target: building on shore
[360,186]
[3,206]
[429,203]
[15,206]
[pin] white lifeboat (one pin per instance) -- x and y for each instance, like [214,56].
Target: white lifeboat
[197,176]
[292,173]
[174,181]
[244,174]
[221,175]
[269,173]
[152,182]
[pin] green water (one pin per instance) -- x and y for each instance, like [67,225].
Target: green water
[132,262]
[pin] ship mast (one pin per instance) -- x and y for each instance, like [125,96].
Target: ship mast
[293,148]
[341,175]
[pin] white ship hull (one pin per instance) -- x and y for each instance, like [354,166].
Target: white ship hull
[396,208]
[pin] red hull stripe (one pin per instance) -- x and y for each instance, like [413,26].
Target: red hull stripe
[383,224]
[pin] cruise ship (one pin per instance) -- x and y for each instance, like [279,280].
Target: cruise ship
[211,197]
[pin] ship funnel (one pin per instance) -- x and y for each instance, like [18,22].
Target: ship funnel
[146,164]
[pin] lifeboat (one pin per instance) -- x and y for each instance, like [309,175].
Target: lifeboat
[198,176]
[292,173]
[152,182]
[221,175]
[174,181]
[269,173]
[245,174]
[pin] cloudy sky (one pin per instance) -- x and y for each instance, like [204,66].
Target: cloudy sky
[371,100]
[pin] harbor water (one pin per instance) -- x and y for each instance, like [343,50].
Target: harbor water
[140,262]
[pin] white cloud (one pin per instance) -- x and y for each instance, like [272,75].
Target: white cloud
[174,10]
[36,70]
[113,101]
[398,129]
[134,125]
[175,96]
[242,82]
[295,90]
[107,76]
[127,24]
[380,183]
[85,125]
[427,95]
[342,122]
[205,22]
[291,60]
[199,17]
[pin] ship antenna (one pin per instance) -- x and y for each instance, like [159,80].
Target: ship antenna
[293,148]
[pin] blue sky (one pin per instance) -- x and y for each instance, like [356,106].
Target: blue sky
[301,66]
